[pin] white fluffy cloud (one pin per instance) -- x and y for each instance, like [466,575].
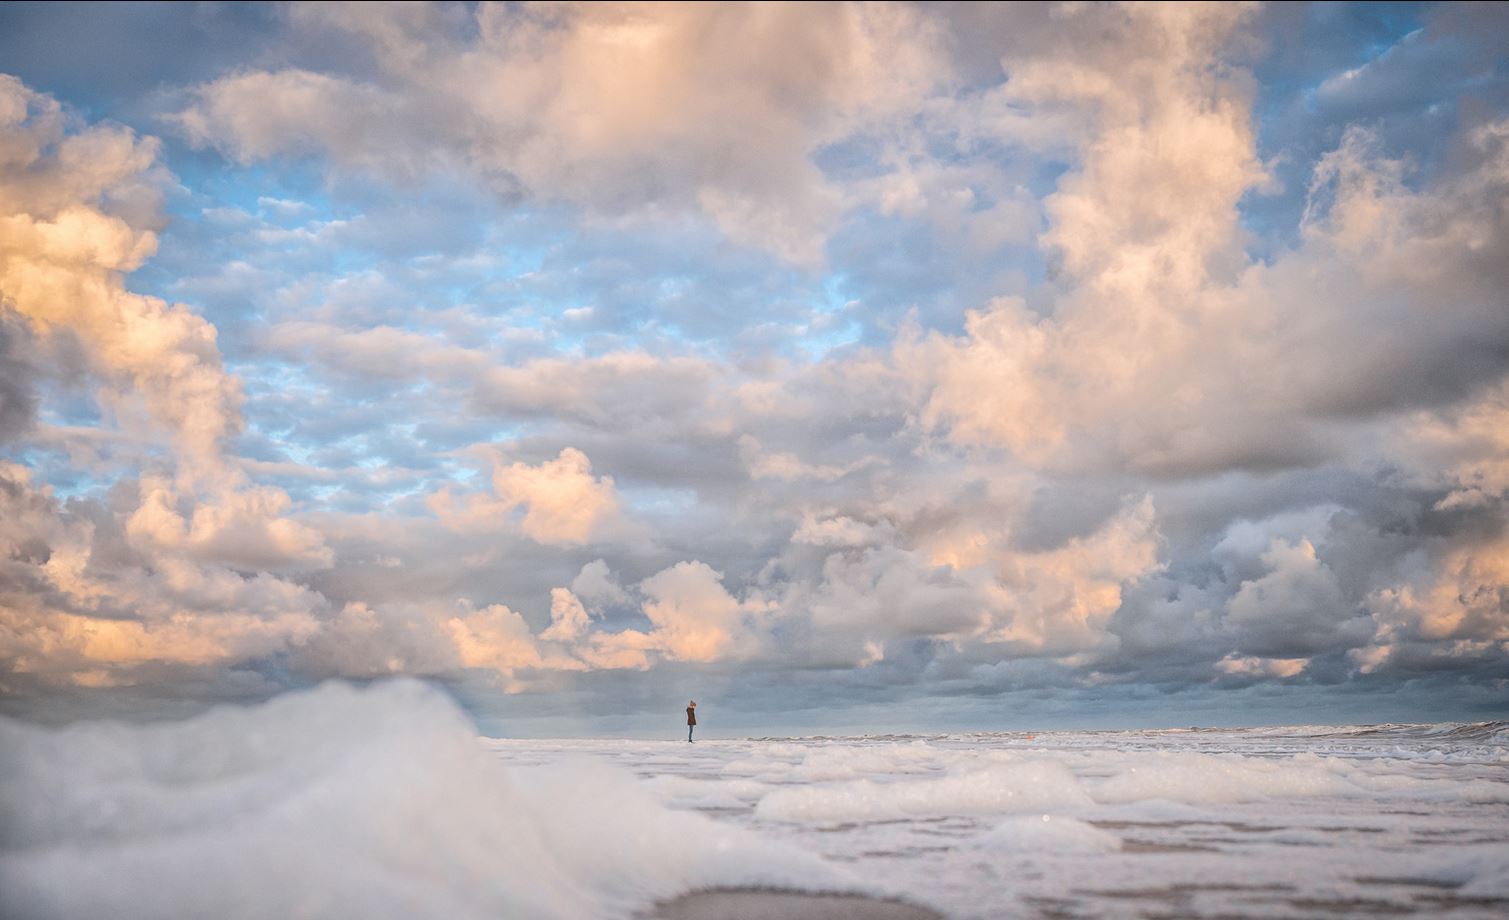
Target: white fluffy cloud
[712,109]
[694,617]
[557,502]
[245,528]
[78,212]
[78,206]
[1170,351]
[569,620]
[78,607]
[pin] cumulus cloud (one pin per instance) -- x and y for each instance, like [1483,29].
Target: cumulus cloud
[866,600]
[1454,589]
[558,502]
[569,620]
[596,584]
[79,204]
[18,400]
[494,638]
[1295,608]
[76,209]
[561,500]
[1168,350]
[158,580]
[1261,667]
[364,640]
[81,607]
[693,615]
[244,528]
[1061,600]
[617,107]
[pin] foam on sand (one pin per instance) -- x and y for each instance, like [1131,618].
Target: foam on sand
[382,803]
[1049,834]
[344,802]
[1226,778]
[1285,822]
[1002,788]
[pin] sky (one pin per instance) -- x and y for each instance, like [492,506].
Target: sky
[873,367]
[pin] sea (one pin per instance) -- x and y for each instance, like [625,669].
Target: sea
[382,801]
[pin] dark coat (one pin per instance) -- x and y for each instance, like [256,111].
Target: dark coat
[691,715]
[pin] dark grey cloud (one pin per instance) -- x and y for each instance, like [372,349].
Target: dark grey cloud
[18,398]
[1412,73]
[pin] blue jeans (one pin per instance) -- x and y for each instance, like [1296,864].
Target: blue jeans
[689,732]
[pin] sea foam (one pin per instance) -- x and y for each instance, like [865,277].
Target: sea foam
[1002,788]
[343,802]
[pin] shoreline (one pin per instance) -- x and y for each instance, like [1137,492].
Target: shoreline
[782,904]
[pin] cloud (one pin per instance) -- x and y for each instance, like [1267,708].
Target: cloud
[494,638]
[1261,667]
[693,615]
[868,599]
[764,464]
[80,606]
[18,400]
[630,388]
[76,211]
[1454,589]
[557,502]
[1169,352]
[1061,600]
[96,594]
[569,620]
[1296,609]
[1464,446]
[73,213]
[1138,229]
[620,108]
[383,351]
[596,585]
[841,530]
[432,639]
[363,640]
[1031,351]
[245,528]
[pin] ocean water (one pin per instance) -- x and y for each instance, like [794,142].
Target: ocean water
[382,802]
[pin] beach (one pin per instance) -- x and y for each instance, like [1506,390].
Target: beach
[1286,821]
[383,802]
[755,904]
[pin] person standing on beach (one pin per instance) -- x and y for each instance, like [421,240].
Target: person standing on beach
[691,719]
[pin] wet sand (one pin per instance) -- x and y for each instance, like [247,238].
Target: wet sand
[767,904]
